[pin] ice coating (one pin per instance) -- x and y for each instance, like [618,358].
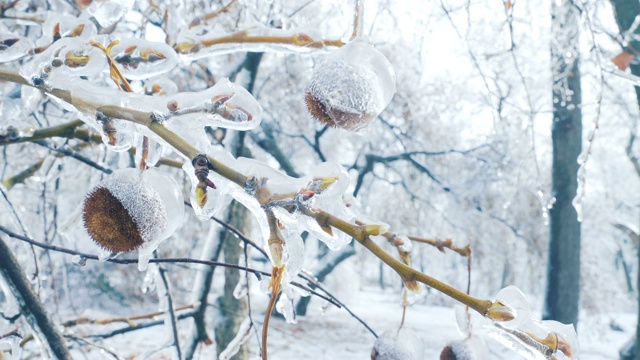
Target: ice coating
[216,198]
[171,196]
[530,337]
[64,58]
[122,137]
[351,86]
[217,41]
[13,47]
[403,344]
[57,25]
[140,59]
[226,104]
[108,12]
[294,246]
[241,290]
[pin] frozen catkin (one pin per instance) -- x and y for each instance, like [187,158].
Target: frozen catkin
[132,210]
[350,87]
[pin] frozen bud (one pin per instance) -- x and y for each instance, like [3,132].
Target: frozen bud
[130,210]
[500,312]
[350,87]
[375,229]
[403,344]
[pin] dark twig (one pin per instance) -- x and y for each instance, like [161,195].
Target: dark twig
[30,305]
[258,273]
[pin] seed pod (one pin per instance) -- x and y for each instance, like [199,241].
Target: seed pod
[130,210]
[350,87]
[403,344]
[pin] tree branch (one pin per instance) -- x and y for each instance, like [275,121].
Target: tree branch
[30,305]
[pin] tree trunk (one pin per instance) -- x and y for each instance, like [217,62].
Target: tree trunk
[563,270]
[232,311]
[626,13]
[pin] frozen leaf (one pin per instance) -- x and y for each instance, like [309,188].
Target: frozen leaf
[13,47]
[140,59]
[350,87]
[623,60]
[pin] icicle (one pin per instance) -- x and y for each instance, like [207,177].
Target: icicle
[243,334]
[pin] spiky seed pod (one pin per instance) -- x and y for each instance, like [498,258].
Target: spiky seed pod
[350,87]
[403,344]
[124,212]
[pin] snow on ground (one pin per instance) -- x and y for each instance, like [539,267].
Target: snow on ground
[333,334]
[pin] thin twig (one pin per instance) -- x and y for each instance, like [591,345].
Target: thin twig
[258,273]
[172,315]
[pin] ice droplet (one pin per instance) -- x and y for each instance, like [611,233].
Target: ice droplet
[13,47]
[285,305]
[149,282]
[241,290]
[122,139]
[140,59]
[108,12]
[79,260]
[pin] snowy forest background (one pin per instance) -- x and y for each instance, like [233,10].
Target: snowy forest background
[462,152]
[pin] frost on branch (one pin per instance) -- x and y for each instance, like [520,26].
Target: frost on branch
[532,338]
[132,210]
[350,87]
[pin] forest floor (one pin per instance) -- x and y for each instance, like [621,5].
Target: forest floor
[333,334]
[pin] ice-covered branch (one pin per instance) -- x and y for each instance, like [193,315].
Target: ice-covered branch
[30,305]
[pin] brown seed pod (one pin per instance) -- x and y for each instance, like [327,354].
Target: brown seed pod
[350,87]
[124,212]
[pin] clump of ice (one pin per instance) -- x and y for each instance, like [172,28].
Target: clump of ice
[529,336]
[66,26]
[140,59]
[67,57]
[351,86]
[108,12]
[403,344]
[13,47]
